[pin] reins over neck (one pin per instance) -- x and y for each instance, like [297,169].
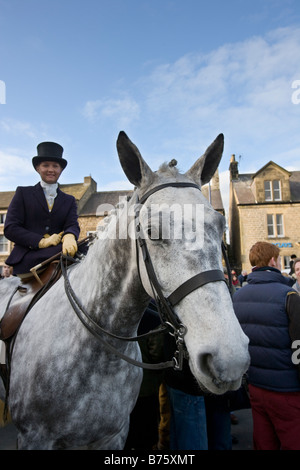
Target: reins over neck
[98,332]
[169,319]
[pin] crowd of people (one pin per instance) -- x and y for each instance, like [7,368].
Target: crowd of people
[172,412]
[267,305]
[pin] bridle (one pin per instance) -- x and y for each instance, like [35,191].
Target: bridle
[169,319]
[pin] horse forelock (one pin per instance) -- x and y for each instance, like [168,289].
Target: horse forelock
[169,168]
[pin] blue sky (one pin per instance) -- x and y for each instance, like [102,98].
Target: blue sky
[172,74]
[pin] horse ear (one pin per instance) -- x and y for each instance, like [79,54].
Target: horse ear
[204,168]
[133,164]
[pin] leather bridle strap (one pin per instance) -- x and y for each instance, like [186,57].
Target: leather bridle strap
[167,185]
[224,252]
[194,283]
[170,315]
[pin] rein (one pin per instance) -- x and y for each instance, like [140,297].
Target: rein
[97,331]
[165,305]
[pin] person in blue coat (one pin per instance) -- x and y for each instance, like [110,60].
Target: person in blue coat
[268,309]
[42,220]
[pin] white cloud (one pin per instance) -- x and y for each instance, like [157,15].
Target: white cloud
[242,89]
[124,110]
[117,186]
[10,163]
[13,126]
[15,170]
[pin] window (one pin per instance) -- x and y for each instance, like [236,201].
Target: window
[2,219]
[276,190]
[270,224]
[279,225]
[275,225]
[272,190]
[286,262]
[3,244]
[268,191]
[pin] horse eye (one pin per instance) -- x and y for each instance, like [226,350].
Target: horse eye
[153,233]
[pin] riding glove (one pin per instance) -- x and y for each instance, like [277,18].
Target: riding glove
[51,240]
[69,244]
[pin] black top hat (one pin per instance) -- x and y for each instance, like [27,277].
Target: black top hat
[50,152]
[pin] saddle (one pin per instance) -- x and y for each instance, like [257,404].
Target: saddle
[25,296]
[33,286]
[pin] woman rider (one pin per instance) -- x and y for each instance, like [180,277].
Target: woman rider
[42,220]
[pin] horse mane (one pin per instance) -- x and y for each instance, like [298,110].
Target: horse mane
[103,224]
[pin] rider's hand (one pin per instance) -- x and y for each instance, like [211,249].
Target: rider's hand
[69,245]
[53,240]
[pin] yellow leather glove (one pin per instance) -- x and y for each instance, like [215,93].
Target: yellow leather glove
[69,245]
[51,240]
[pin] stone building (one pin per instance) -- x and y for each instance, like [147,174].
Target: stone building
[94,205]
[263,206]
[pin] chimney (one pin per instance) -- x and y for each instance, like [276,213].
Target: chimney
[215,181]
[233,168]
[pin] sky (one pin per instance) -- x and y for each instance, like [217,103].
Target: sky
[172,74]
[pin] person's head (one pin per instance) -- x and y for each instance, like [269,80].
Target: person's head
[265,254]
[297,268]
[49,162]
[6,270]
[49,171]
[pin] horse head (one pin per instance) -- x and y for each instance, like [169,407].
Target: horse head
[183,236]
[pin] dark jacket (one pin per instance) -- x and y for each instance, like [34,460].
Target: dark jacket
[152,352]
[261,308]
[28,219]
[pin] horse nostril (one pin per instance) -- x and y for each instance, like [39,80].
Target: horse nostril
[205,362]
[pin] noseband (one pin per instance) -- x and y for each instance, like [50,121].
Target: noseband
[170,320]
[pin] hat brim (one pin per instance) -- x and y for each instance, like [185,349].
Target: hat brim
[61,161]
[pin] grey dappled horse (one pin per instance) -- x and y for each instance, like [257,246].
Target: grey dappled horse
[67,389]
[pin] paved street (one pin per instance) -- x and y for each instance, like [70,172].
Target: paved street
[241,431]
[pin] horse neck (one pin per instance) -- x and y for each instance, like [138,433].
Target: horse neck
[108,284]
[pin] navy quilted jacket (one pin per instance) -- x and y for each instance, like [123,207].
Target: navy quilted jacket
[260,307]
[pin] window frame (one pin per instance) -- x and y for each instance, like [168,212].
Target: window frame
[268,190]
[276,190]
[4,242]
[276,225]
[272,190]
[2,218]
